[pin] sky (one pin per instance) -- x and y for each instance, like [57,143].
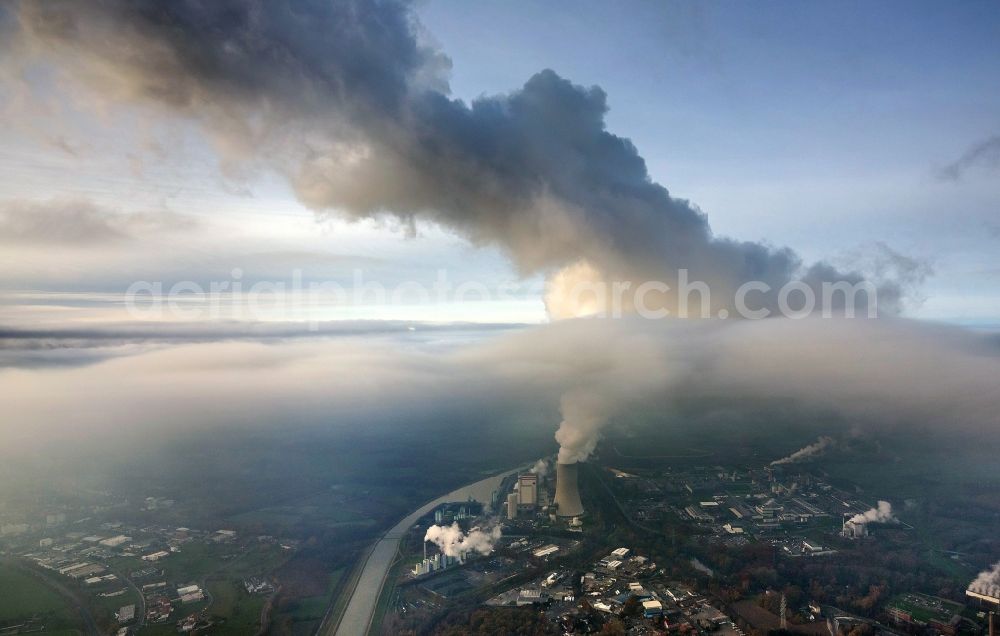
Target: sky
[820,126]
[362,212]
[839,131]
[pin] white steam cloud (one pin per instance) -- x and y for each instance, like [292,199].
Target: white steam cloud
[541,468]
[816,448]
[988,582]
[455,543]
[880,514]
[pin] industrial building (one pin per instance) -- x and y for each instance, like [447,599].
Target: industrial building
[125,614]
[190,593]
[155,556]
[853,529]
[435,563]
[988,595]
[770,510]
[114,542]
[545,550]
[652,609]
[512,505]
[448,513]
[527,491]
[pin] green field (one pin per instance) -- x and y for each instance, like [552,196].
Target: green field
[314,607]
[923,608]
[240,610]
[324,509]
[24,596]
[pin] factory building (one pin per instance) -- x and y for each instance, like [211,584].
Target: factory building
[988,595]
[527,491]
[126,614]
[437,562]
[512,505]
[545,551]
[770,510]
[853,529]
[652,609]
[114,542]
[450,512]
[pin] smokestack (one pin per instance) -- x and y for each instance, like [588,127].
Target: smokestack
[567,491]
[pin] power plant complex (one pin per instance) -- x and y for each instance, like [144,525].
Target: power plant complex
[853,529]
[989,594]
[986,589]
[531,494]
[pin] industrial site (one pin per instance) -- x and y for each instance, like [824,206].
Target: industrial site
[732,544]
[544,544]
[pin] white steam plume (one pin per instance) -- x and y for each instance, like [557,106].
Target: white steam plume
[816,448]
[455,543]
[880,514]
[541,468]
[584,414]
[988,582]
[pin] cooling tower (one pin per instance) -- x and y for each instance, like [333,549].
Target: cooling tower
[567,492]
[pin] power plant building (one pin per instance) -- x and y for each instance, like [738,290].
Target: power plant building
[512,505]
[527,491]
[985,593]
[989,595]
[854,529]
[435,563]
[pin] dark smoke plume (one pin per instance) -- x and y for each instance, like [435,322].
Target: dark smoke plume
[346,100]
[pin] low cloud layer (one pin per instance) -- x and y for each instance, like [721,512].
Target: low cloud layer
[889,374]
[75,222]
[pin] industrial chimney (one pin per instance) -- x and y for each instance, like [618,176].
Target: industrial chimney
[567,492]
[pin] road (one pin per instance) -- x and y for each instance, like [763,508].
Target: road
[265,612]
[140,617]
[361,607]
